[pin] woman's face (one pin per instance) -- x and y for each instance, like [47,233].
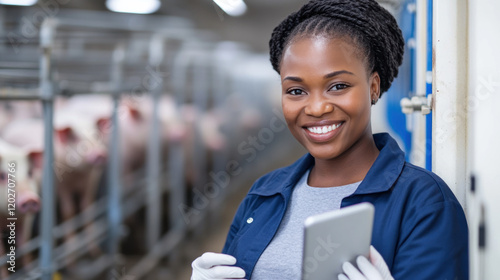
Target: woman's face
[326,95]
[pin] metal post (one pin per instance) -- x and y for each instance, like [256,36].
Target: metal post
[417,156]
[449,86]
[114,168]
[154,194]
[179,75]
[48,198]
[224,54]
[176,155]
[200,98]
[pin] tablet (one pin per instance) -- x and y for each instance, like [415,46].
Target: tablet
[334,237]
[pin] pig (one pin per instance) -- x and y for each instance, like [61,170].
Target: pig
[79,158]
[133,125]
[134,121]
[4,116]
[27,134]
[12,110]
[19,190]
[210,127]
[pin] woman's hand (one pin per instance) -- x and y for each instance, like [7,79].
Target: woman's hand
[375,270]
[216,266]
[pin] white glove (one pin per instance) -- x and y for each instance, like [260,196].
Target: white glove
[376,270]
[211,266]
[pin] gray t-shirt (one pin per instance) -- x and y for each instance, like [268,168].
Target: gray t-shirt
[282,259]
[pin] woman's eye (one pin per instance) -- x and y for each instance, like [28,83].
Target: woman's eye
[339,87]
[295,91]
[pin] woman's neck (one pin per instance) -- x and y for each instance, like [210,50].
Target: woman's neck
[350,167]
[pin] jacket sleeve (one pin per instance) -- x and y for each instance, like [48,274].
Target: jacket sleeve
[433,244]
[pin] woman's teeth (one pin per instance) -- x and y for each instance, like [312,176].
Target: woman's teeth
[323,129]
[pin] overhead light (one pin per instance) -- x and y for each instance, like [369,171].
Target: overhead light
[133,6]
[232,7]
[18,2]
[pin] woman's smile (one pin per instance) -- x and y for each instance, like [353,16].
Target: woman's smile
[323,131]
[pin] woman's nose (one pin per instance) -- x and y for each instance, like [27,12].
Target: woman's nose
[318,106]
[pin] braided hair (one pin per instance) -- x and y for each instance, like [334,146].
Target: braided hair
[364,22]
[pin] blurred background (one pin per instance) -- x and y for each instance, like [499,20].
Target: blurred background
[135,128]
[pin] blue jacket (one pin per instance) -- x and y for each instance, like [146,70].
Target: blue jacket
[419,226]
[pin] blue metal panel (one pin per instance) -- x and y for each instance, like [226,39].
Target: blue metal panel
[428,128]
[403,86]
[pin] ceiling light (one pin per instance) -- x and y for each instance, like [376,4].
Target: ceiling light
[133,6]
[18,2]
[232,7]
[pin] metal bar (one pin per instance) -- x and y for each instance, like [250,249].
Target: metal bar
[177,197]
[165,246]
[114,172]
[220,90]
[20,73]
[106,20]
[178,31]
[176,155]
[129,22]
[153,221]
[96,267]
[47,33]
[90,214]
[417,155]
[179,75]
[19,97]
[28,247]
[134,203]
[200,80]
[201,90]
[77,245]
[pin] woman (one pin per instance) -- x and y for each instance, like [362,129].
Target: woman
[336,58]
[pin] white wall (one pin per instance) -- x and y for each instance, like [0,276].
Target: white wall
[483,106]
[449,119]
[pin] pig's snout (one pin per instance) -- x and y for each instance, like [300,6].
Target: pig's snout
[28,203]
[177,134]
[97,158]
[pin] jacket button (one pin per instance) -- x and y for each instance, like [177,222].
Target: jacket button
[249,220]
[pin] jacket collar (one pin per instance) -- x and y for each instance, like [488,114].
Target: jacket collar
[381,176]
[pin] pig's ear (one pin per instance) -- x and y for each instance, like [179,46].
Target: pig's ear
[64,135]
[134,112]
[103,125]
[36,159]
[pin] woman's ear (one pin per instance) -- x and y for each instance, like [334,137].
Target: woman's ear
[375,87]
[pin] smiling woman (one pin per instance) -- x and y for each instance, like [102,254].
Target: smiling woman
[326,101]
[336,58]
